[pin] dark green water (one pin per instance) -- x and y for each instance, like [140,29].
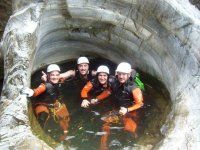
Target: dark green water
[86,124]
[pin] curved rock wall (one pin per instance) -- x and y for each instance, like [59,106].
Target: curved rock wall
[158,36]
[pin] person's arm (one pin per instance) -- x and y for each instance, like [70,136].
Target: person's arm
[103,95]
[84,94]
[137,96]
[67,74]
[86,89]
[39,90]
[34,92]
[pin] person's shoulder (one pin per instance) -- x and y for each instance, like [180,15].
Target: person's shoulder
[133,85]
[47,84]
[42,84]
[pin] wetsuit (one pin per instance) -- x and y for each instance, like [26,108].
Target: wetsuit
[79,76]
[93,89]
[127,95]
[46,93]
[78,80]
[48,103]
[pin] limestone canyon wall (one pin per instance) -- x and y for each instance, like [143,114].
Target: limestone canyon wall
[161,37]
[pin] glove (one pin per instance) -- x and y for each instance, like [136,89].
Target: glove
[29,92]
[94,101]
[85,103]
[123,110]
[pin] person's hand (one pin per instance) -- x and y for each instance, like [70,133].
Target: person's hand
[123,110]
[27,91]
[85,103]
[62,78]
[44,76]
[94,101]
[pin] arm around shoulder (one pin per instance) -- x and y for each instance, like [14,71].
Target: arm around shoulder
[66,75]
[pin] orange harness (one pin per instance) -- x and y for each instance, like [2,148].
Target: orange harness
[56,110]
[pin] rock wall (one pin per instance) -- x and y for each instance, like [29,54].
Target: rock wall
[158,36]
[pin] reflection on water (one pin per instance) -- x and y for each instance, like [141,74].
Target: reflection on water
[86,125]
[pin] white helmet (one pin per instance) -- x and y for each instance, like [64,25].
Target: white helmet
[103,69]
[53,67]
[124,67]
[82,60]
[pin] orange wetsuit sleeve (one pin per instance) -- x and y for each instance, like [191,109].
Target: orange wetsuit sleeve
[137,96]
[86,89]
[40,89]
[104,94]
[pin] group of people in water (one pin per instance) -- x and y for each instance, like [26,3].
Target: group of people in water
[99,85]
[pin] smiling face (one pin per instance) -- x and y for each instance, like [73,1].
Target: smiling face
[102,78]
[123,77]
[54,77]
[83,68]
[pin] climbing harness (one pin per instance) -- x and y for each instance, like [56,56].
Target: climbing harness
[54,110]
[112,117]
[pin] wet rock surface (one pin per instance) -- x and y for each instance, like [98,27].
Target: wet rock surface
[159,37]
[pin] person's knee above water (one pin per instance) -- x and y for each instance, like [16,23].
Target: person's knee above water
[127,93]
[97,89]
[82,72]
[48,99]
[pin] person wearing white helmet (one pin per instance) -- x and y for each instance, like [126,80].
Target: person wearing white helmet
[125,67]
[97,89]
[48,102]
[82,73]
[128,97]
